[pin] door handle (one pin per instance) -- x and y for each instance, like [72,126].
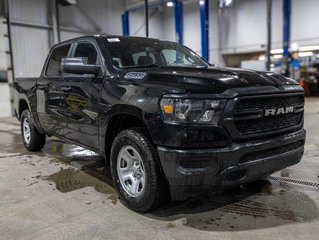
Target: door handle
[66,89]
[43,87]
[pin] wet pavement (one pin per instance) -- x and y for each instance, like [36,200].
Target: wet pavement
[65,192]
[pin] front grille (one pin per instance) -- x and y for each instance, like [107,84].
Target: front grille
[268,102]
[271,152]
[266,124]
[249,114]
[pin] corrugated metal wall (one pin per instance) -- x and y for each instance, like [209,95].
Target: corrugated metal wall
[32,31]
[30,47]
[35,11]
[5,94]
[94,16]
[29,44]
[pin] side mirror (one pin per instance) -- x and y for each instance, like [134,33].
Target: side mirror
[77,66]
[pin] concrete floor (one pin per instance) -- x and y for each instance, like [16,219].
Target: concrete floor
[65,192]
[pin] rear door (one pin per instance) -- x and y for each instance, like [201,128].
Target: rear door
[81,95]
[49,98]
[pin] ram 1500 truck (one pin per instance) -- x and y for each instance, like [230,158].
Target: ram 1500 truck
[170,125]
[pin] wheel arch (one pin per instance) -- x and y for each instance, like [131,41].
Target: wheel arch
[23,105]
[122,117]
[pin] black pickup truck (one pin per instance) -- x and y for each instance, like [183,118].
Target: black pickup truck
[170,125]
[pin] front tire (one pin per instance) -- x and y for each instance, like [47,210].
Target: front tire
[136,171]
[32,139]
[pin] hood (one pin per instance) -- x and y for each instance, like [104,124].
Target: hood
[212,79]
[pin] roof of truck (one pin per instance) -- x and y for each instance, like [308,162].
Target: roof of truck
[110,37]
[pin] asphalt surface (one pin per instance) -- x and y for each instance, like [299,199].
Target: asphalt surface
[65,192]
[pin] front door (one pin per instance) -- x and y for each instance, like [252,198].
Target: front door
[81,95]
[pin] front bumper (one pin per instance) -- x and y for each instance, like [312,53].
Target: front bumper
[196,172]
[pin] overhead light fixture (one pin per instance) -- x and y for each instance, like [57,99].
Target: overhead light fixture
[278,56]
[228,3]
[294,49]
[201,2]
[305,54]
[169,4]
[276,51]
[309,48]
[225,3]
[262,58]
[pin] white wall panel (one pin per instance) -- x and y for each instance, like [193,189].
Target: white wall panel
[277,24]
[31,44]
[30,47]
[192,30]
[4,47]
[168,24]
[105,13]
[69,35]
[244,25]
[5,100]
[137,23]
[305,20]
[35,11]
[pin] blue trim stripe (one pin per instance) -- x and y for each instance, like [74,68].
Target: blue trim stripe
[204,24]
[287,23]
[125,23]
[178,5]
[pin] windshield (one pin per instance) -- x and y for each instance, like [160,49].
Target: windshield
[142,52]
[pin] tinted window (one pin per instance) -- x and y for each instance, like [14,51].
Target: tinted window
[58,53]
[142,58]
[86,51]
[139,52]
[173,57]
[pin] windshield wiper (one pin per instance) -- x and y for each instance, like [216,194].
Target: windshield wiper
[141,66]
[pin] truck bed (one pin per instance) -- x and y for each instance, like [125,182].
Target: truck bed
[23,88]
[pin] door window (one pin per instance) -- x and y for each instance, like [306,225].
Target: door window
[86,51]
[53,67]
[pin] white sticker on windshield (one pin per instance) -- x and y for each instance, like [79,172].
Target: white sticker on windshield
[113,40]
[135,75]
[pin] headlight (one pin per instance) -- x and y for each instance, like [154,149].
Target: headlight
[178,110]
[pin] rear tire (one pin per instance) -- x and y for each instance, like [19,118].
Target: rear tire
[32,139]
[137,173]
